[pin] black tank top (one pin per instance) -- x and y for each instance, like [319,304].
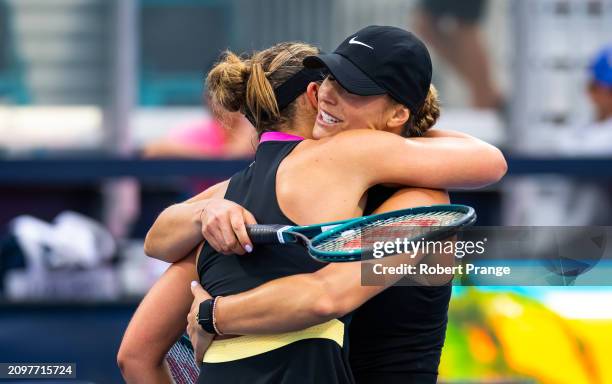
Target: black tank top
[397,336]
[312,360]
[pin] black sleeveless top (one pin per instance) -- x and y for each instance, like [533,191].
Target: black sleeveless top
[397,336]
[313,360]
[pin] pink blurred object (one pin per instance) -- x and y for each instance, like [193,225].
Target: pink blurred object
[207,136]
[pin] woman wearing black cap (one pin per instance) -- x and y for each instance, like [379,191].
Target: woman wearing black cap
[335,157]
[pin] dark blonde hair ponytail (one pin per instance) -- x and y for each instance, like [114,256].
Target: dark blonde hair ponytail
[260,99]
[226,83]
[246,84]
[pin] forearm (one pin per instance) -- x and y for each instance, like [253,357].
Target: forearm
[283,305]
[177,230]
[300,301]
[449,159]
[157,323]
[263,311]
[442,162]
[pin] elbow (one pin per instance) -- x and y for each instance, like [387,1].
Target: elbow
[326,308]
[128,363]
[123,363]
[154,249]
[499,166]
[156,239]
[134,364]
[495,166]
[328,304]
[149,246]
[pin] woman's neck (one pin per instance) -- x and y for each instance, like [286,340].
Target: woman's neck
[298,128]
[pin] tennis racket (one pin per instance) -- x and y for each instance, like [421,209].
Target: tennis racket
[344,241]
[180,360]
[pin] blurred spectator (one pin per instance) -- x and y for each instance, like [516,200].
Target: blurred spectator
[452,28]
[556,200]
[207,138]
[596,138]
[600,88]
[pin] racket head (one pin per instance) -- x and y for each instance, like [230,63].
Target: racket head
[343,243]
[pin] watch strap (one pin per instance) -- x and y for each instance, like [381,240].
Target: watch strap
[205,316]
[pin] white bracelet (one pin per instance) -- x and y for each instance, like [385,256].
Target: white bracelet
[214,319]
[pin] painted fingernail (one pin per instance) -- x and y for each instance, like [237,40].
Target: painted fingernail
[248,248]
[194,283]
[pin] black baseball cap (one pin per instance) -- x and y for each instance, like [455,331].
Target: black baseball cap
[380,59]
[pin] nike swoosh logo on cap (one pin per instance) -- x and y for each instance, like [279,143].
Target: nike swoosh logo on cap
[353,41]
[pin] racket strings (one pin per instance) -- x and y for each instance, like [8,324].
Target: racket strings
[405,226]
[181,362]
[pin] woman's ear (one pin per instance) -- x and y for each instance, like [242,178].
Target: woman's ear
[311,94]
[399,116]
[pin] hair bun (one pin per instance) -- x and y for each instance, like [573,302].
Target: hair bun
[428,115]
[246,85]
[227,82]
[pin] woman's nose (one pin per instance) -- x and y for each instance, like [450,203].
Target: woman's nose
[328,94]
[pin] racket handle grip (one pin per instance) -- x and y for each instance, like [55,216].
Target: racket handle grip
[264,234]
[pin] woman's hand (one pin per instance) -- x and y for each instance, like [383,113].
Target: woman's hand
[224,226]
[199,338]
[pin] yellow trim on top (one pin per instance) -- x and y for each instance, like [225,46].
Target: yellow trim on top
[221,351]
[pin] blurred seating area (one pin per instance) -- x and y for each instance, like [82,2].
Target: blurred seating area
[103,120]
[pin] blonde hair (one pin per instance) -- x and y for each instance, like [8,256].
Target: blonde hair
[426,117]
[246,84]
